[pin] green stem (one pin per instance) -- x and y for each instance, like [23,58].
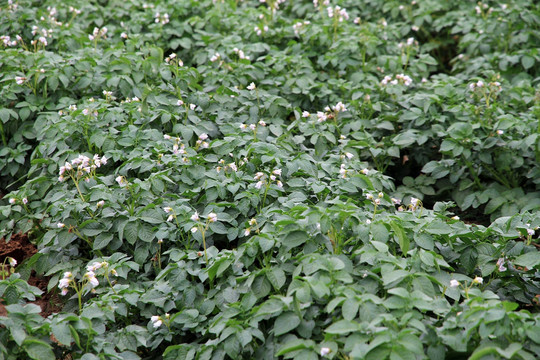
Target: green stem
[474,174]
[264,196]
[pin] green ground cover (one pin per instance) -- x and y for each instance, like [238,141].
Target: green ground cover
[353,179]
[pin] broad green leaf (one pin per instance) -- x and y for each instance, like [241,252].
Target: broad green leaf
[285,323]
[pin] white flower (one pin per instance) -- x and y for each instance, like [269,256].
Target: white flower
[325,351]
[368,221]
[12,261]
[321,116]
[64,292]
[212,217]
[251,86]
[12,201]
[349,155]
[396,201]
[95,265]
[305,114]
[25,201]
[194,230]
[192,106]
[156,321]
[203,136]
[530,232]
[500,264]
[277,172]
[20,80]
[121,181]
[64,283]
[92,280]
[247,231]
[252,221]
[259,184]
[279,184]
[167,209]
[170,218]
[455,217]
[195,216]
[60,225]
[123,35]
[454,283]
[68,274]
[478,280]
[100,203]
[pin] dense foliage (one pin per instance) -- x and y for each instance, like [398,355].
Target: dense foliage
[272,179]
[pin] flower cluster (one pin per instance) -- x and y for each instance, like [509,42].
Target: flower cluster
[174,60]
[12,6]
[299,25]
[480,86]
[74,10]
[338,12]
[161,18]
[329,112]
[262,179]
[375,200]
[230,166]
[259,30]
[178,148]
[13,201]
[6,40]
[476,281]
[415,204]
[201,143]
[399,79]
[484,9]
[252,222]
[81,166]
[108,95]
[157,321]
[324,3]
[89,279]
[410,42]
[215,57]
[98,34]
[20,80]
[272,4]
[241,54]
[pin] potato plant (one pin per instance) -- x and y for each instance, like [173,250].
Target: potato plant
[245,179]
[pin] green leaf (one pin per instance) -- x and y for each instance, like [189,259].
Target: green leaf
[276,276]
[342,327]
[403,240]
[529,260]
[394,276]
[131,232]
[295,238]
[527,62]
[38,350]
[145,232]
[296,344]
[285,323]
[102,240]
[62,333]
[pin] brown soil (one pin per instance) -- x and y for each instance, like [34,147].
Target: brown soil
[21,249]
